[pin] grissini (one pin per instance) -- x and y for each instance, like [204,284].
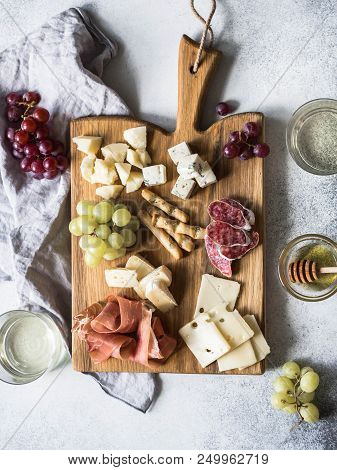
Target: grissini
[165,206]
[193,231]
[168,243]
[185,242]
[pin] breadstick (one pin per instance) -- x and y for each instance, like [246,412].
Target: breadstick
[164,238]
[193,231]
[185,242]
[165,206]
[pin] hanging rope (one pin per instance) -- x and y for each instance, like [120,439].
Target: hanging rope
[207,30]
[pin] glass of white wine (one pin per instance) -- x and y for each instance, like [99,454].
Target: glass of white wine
[30,345]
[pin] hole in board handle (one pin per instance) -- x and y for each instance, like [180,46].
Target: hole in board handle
[192,71]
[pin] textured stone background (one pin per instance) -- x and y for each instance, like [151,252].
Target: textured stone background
[278,55]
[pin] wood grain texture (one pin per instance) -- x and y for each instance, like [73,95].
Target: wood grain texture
[241,180]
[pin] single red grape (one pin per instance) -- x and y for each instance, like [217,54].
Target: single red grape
[18,147]
[13,98]
[29,125]
[234,137]
[31,150]
[49,163]
[21,137]
[37,166]
[62,162]
[222,109]
[42,132]
[10,133]
[30,96]
[251,129]
[58,148]
[50,175]
[261,150]
[246,154]
[41,114]
[25,164]
[14,113]
[231,150]
[45,146]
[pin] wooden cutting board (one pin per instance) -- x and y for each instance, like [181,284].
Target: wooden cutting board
[243,180]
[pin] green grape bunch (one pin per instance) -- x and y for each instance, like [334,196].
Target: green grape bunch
[294,392]
[105,229]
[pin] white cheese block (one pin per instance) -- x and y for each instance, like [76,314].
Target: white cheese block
[190,167]
[214,291]
[260,345]
[158,293]
[206,176]
[231,324]
[159,274]
[123,170]
[239,358]
[110,191]
[134,181]
[121,277]
[88,143]
[136,137]
[133,158]
[154,175]
[87,167]
[179,151]
[144,157]
[204,340]
[183,188]
[104,172]
[115,152]
[143,268]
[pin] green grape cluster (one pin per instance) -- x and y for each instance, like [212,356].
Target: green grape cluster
[106,230]
[295,391]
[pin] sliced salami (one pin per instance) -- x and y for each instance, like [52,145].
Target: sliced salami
[249,214]
[223,233]
[224,211]
[231,253]
[218,261]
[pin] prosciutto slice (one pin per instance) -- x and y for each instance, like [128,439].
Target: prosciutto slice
[223,233]
[120,315]
[102,346]
[236,252]
[218,261]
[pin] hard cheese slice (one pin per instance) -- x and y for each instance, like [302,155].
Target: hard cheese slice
[258,341]
[232,326]
[239,358]
[214,291]
[204,340]
[143,268]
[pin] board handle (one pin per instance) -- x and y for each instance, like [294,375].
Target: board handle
[192,86]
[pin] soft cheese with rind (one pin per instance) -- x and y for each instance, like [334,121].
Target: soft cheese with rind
[214,291]
[158,293]
[136,137]
[160,274]
[121,277]
[143,268]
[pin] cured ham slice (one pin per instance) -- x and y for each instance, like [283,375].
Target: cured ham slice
[141,353]
[166,344]
[218,261]
[103,346]
[236,252]
[223,233]
[120,315]
[225,211]
[83,320]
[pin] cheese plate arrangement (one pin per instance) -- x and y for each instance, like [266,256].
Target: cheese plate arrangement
[167,245]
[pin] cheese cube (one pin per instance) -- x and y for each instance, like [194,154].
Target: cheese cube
[239,358]
[87,167]
[154,175]
[143,268]
[104,172]
[136,137]
[206,177]
[160,274]
[110,191]
[123,170]
[260,345]
[144,157]
[179,151]
[121,277]
[214,291]
[232,326]
[134,181]
[190,167]
[115,152]
[158,293]
[204,340]
[183,188]
[88,143]
[133,158]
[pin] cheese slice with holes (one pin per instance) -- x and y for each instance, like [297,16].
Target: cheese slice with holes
[239,358]
[204,340]
[259,343]
[214,291]
[231,324]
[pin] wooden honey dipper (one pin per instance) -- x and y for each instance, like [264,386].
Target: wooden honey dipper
[305,271]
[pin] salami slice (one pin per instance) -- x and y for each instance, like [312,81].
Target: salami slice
[219,262]
[249,214]
[224,211]
[236,252]
[223,233]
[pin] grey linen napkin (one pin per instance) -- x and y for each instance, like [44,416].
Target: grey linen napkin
[64,61]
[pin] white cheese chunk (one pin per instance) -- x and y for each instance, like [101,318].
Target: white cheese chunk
[204,340]
[158,293]
[206,176]
[143,268]
[190,167]
[115,152]
[110,191]
[214,291]
[136,137]
[154,175]
[232,326]
[88,143]
[121,277]
[183,188]
[159,274]
[179,151]
[133,158]
[104,172]
[134,181]
[123,170]
[87,167]
[144,157]
[260,345]
[239,358]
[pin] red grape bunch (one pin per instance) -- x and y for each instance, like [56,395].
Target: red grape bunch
[244,144]
[29,137]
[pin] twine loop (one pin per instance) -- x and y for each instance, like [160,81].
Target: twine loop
[207,30]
